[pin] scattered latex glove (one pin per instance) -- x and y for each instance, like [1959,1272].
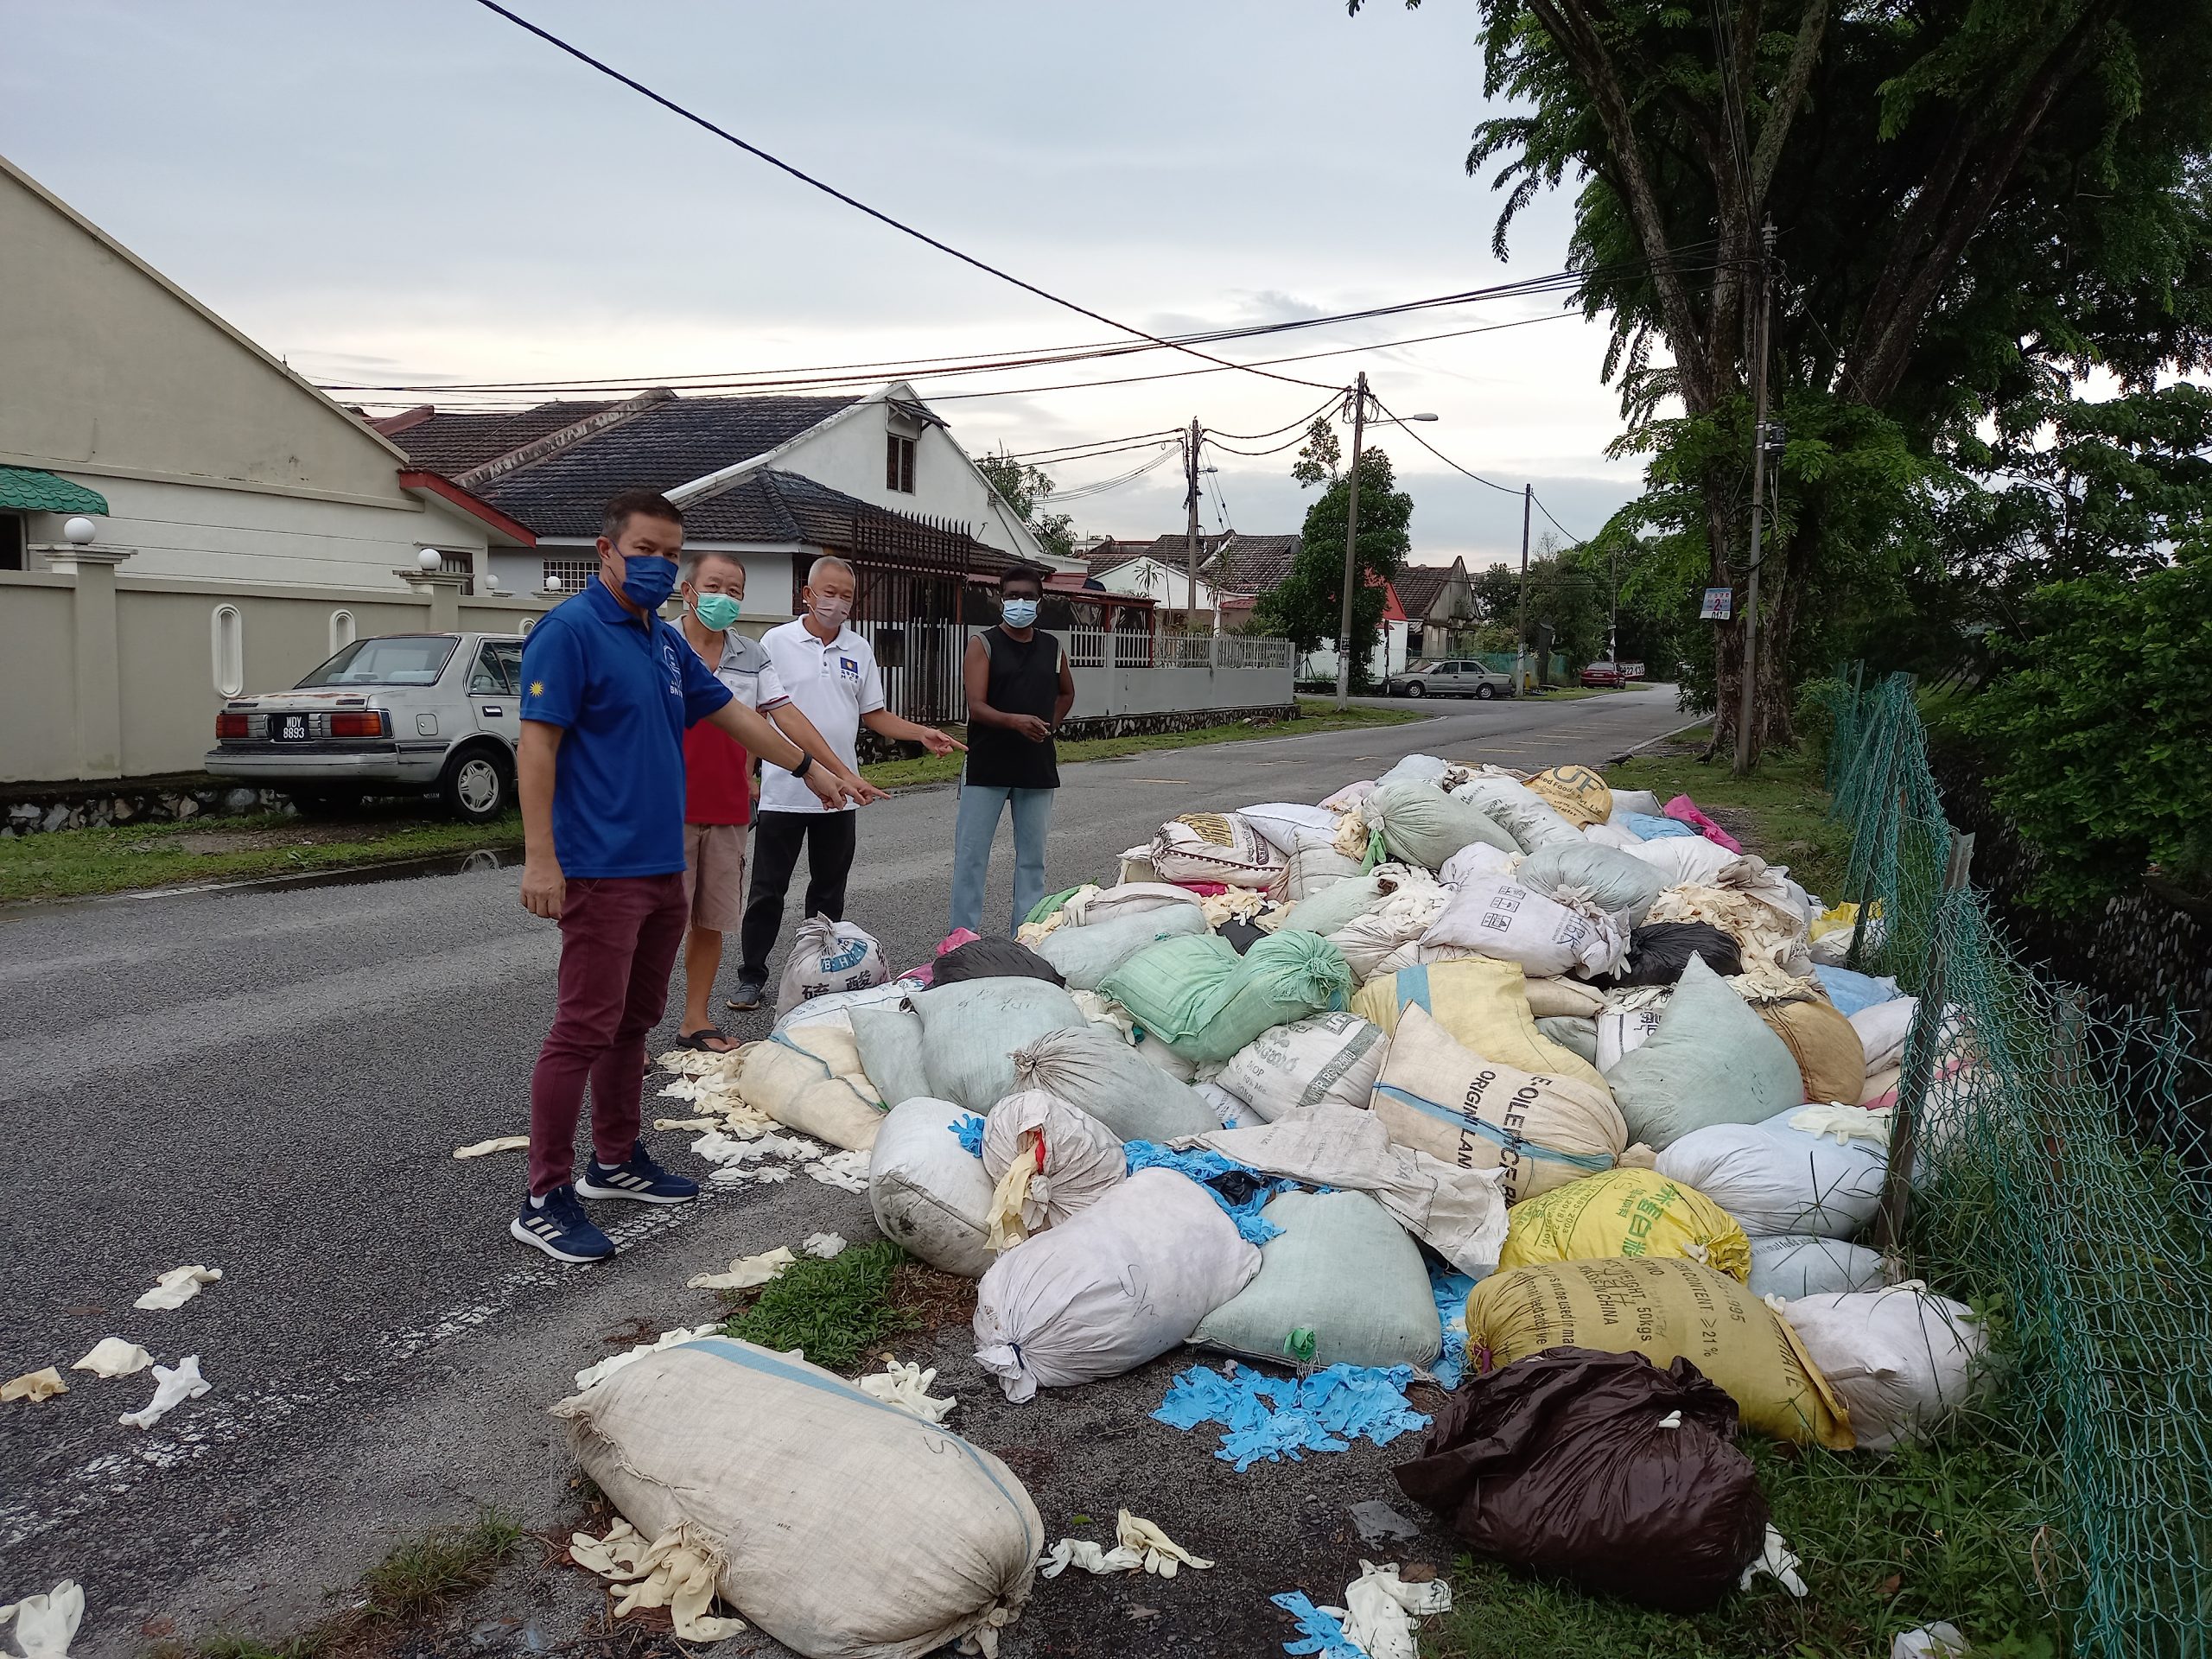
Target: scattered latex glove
[34,1386]
[1672,1420]
[747,1271]
[825,1245]
[1092,1558]
[113,1356]
[908,1387]
[45,1625]
[497,1143]
[1776,1559]
[689,1062]
[172,1386]
[1845,1123]
[687,1123]
[675,1571]
[1157,1553]
[845,1170]
[614,1363]
[1273,1417]
[1381,1608]
[1930,1641]
[176,1288]
[1321,1627]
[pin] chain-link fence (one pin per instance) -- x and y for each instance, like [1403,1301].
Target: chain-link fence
[2058,1175]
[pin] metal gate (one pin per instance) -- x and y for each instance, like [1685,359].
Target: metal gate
[913,575]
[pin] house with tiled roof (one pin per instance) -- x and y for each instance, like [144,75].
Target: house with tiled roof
[1439,602]
[554,466]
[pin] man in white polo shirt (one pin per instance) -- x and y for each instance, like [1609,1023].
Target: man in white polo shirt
[829,672]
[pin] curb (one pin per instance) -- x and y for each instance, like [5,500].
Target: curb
[1653,743]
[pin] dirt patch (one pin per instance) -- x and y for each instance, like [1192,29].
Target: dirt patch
[255,841]
[936,1300]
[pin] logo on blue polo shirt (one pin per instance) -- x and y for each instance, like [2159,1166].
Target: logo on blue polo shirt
[675,673]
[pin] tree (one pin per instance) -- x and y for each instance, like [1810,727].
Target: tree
[1026,488]
[1975,200]
[1307,607]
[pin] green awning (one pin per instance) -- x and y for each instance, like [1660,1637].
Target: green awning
[26,489]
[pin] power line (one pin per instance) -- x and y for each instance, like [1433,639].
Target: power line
[674,108]
[1503,489]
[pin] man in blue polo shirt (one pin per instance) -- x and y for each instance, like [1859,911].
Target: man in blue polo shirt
[609,690]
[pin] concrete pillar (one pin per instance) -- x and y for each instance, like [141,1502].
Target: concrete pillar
[98,688]
[443,591]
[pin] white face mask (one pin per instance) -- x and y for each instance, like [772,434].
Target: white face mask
[832,612]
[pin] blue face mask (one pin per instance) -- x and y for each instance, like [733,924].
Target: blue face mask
[647,582]
[1019,613]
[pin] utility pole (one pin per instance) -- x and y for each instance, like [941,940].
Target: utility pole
[1521,628]
[1613,615]
[1190,532]
[1351,543]
[1748,702]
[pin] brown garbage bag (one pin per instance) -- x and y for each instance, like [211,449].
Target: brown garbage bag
[1558,1464]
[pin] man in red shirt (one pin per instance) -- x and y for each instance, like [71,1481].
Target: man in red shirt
[718,787]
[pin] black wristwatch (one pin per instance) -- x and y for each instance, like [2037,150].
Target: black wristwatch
[806,765]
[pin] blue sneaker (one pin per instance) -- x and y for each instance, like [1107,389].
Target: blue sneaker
[557,1225]
[640,1179]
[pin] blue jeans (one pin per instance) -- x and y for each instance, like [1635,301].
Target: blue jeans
[978,825]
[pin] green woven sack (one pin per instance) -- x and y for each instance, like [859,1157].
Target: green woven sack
[1343,1271]
[1205,1001]
[1711,1060]
[1420,824]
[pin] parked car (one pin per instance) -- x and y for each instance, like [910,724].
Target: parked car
[1613,674]
[385,717]
[1457,676]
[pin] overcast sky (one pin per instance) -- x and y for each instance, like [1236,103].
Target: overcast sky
[414,190]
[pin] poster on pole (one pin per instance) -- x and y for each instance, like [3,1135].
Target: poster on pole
[1720,605]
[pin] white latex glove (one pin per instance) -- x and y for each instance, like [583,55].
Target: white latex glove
[34,1386]
[747,1271]
[45,1625]
[1929,1642]
[113,1356]
[172,1386]
[176,1288]
[1380,1609]
[908,1387]
[825,1245]
[1160,1553]
[1776,1559]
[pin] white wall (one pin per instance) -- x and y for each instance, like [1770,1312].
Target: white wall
[210,532]
[767,573]
[1149,576]
[1389,656]
[1175,691]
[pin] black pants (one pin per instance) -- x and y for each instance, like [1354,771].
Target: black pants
[777,838]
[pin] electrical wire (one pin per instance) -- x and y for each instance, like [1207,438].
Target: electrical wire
[1132,439]
[754,151]
[1503,489]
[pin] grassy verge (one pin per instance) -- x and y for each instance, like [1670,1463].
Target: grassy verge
[837,1312]
[1314,714]
[76,863]
[414,1582]
[1779,812]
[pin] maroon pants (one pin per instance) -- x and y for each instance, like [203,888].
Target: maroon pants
[618,939]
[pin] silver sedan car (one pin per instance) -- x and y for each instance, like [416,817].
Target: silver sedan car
[400,713]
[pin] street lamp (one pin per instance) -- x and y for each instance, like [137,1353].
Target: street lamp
[1357,399]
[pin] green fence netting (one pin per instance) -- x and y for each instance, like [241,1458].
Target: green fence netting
[2056,1173]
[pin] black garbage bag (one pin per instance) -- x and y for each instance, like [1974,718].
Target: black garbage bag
[1241,933]
[993,959]
[1658,951]
[1559,1464]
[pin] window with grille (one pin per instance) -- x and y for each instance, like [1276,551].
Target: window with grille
[569,574]
[898,463]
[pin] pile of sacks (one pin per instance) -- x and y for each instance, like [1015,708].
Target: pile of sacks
[1298,1065]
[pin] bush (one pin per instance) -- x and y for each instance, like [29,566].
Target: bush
[2094,727]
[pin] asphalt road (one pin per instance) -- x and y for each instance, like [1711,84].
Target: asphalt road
[272,1083]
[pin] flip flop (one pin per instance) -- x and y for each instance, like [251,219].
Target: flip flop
[697,1039]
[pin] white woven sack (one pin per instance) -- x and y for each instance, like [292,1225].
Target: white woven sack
[840,1524]
[812,1080]
[1502,919]
[1684,860]
[1777,1180]
[1118,1284]
[1279,822]
[1640,802]
[837,1008]
[1607,835]
[1314,863]
[1401,918]
[1882,1028]
[1527,817]
[1474,861]
[1128,898]
[1790,1265]
[1214,847]
[1080,1158]
[828,957]
[1901,1359]
[929,1192]
[1326,1057]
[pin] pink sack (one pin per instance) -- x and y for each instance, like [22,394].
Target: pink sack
[1203,889]
[1682,809]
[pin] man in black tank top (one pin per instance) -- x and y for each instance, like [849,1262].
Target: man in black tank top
[1019,689]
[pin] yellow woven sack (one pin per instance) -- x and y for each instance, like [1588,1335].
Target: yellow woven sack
[1664,1310]
[1835,919]
[1576,793]
[1628,1212]
[1831,1060]
[1483,1003]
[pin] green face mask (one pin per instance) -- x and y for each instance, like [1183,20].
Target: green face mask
[717,611]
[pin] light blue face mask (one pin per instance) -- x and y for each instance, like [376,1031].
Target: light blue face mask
[1019,613]
[715,612]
